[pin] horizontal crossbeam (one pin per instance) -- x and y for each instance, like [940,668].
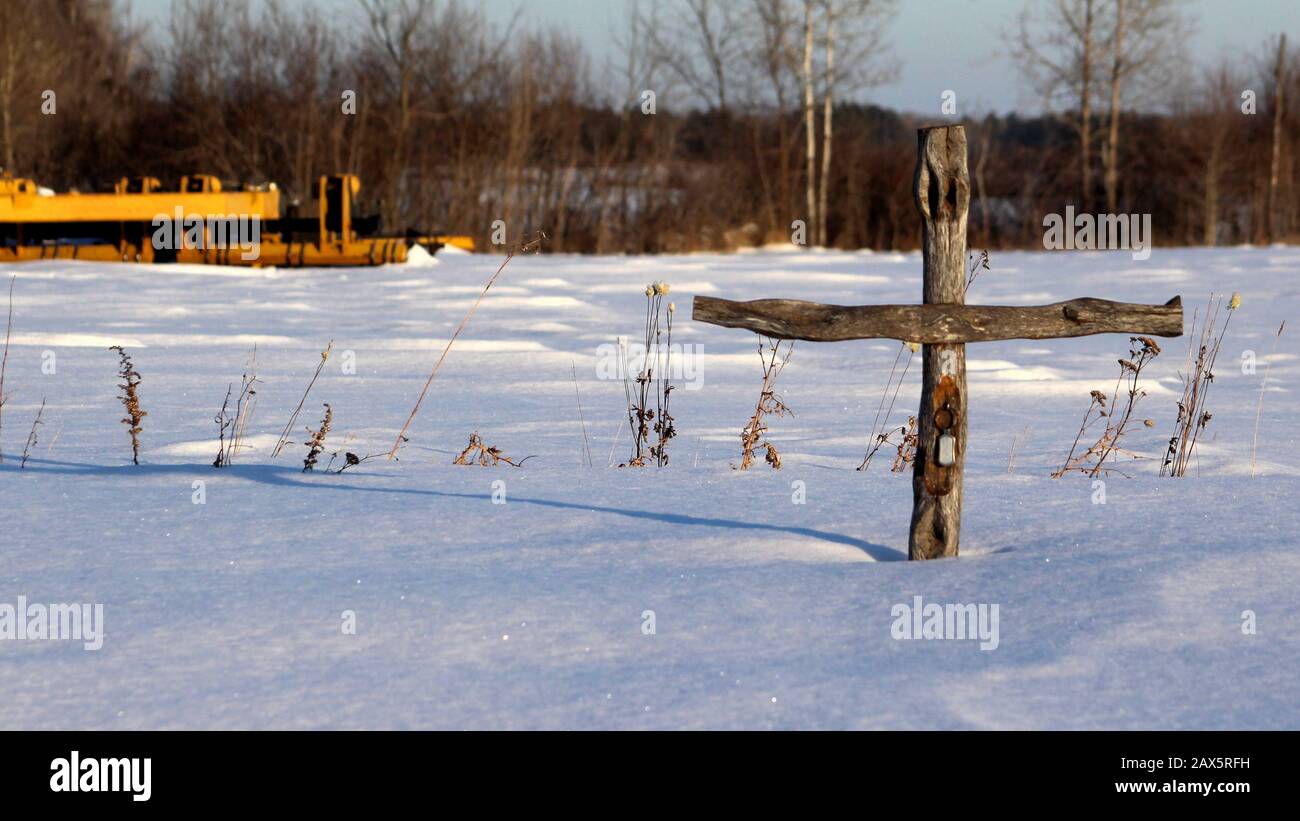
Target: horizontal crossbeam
[942,323]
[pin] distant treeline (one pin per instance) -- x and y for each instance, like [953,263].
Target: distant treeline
[460,121]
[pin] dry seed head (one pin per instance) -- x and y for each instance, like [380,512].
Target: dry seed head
[1235,302]
[672,307]
[1149,344]
[914,346]
[649,290]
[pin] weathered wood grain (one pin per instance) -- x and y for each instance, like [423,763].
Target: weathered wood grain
[938,323]
[941,188]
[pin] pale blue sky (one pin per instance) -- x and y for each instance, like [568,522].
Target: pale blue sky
[970,60]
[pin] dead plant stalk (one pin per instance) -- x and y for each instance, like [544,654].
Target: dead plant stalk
[316,444]
[532,245]
[237,425]
[879,435]
[477,453]
[1197,376]
[769,351]
[586,445]
[653,382]
[31,437]
[130,397]
[1259,408]
[1092,461]
[293,419]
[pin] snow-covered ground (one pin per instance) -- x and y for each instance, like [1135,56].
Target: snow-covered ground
[533,613]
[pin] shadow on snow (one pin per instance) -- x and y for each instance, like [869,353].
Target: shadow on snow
[283,477]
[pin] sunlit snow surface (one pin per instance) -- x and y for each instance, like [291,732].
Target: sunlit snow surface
[529,614]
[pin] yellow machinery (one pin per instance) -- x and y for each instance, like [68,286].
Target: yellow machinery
[124,225]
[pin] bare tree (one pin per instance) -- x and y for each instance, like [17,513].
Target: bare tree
[1275,160]
[984,140]
[700,42]
[25,59]
[1117,71]
[861,23]
[1054,46]
[866,63]
[774,58]
[828,113]
[395,25]
[1145,41]
[66,76]
[609,182]
[1215,116]
[809,120]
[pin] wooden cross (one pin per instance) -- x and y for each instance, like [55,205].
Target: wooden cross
[943,324]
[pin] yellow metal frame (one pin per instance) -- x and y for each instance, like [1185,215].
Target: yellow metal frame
[20,202]
[89,253]
[141,200]
[456,240]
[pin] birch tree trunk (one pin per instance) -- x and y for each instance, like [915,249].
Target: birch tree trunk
[1210,217]
[1085,106]
[1275,165]
[810,123]
[985,146]
[827,114]
[1112,140]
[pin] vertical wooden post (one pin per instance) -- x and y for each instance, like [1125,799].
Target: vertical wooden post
[941,189]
